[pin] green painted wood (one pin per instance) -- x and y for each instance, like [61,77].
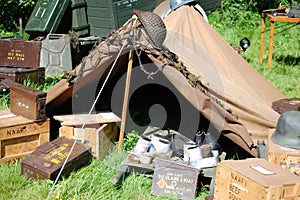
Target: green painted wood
[79,18]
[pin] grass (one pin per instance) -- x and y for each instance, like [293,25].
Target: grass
[94,181]
[91,182]
[285,71]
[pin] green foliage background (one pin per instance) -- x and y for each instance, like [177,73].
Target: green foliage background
[11,11]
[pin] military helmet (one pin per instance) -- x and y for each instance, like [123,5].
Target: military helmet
[177,3]
[154,27]
[287,133]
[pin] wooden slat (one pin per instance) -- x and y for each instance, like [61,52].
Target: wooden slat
[20,147]
[57,95]
[23,129]
[107,135]
[66,131]
[13,157]
[79,119]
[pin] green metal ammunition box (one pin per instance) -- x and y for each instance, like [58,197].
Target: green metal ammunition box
[107,15]
[210,5]
[46,16]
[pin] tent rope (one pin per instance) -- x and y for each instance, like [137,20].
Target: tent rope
[150,74]
[92,108]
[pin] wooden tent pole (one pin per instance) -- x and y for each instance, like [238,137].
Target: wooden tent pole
[125,101]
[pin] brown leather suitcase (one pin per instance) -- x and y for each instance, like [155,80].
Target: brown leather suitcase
[27,102]
[47,160]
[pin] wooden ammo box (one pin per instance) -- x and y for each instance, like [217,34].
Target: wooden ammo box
[174,179]
[284,105]
[47,160]
[107,15]
[20,136]
[100,132]
[255,178]
[286,158]
[27,102]
[19,74]
[20,53]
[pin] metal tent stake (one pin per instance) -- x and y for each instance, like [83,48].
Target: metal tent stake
[125,102]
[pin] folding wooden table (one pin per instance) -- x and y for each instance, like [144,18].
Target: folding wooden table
[272,18]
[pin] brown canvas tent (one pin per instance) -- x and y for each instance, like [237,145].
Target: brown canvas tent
[226,74]
[206,76]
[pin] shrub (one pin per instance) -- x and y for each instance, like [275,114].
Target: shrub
[130,140]
[12,10]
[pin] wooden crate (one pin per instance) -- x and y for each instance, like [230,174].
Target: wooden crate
[19,74]
[20,136]
[101,139]
[174,179]
[99,133]
[255,178]
[286,158]
[48,159]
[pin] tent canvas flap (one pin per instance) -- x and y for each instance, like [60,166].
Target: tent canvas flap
[229,77]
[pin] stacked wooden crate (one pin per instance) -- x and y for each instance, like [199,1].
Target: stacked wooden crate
[97,131]
[20,61]
[25,126]
[20,136]
[254,179]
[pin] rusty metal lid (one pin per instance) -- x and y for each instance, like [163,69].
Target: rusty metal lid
[154,27]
